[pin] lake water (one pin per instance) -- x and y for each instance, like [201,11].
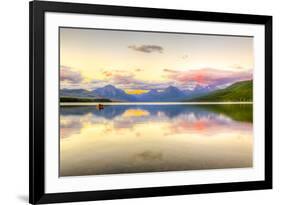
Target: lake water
[154,137]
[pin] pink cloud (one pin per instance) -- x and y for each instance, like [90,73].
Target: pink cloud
[68,75]
[209,76]
[123,79]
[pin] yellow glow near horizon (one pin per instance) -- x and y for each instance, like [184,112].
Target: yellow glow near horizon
[136,92]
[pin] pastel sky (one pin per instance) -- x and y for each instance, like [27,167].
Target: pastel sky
[140,61]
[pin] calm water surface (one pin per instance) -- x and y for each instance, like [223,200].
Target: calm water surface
[154,138]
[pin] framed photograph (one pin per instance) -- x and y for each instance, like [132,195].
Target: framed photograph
[140,102]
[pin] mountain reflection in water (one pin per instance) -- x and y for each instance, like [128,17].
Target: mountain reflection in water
[149,138]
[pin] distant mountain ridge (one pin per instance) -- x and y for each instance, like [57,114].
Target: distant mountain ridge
[111,92]
[236,92]
[171,93]
[106,92]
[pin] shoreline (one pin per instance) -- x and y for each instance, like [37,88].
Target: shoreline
[152,103]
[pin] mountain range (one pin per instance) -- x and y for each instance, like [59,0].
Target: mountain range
[112,93]
[169,94]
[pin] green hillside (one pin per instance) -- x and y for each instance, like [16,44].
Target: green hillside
[237,92]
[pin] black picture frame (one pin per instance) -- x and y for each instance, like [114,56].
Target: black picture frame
[37,194]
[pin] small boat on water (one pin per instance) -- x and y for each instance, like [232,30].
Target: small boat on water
[99,106]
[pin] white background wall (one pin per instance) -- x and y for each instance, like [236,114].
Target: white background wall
[14,100]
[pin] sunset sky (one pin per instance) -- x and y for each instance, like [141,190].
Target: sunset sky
[140,61]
